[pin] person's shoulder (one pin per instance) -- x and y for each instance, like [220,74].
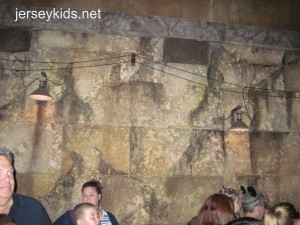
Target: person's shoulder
[25,209]
[65,218]
[24,197]
[245,221]
[112,218]
[193,221]
[109,213]
[23,200]
[67,213]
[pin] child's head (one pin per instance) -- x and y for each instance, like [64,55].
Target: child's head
[86,214]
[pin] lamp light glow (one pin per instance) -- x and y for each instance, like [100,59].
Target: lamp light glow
[41,93]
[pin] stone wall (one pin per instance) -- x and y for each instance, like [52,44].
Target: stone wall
[151,132]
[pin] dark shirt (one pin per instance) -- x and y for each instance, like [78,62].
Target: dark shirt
[245,221]
[28,211]
[112,219]
[65,219]
[193,221]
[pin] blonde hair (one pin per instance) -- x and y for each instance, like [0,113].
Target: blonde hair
[282,214]
[270,219]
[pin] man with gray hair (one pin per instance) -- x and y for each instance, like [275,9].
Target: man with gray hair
[253,203]
[25,210]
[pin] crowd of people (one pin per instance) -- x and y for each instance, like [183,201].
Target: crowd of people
[91,195]
[17,209]
[248,207]
[227,207]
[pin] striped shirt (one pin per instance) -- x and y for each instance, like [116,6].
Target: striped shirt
[105,218]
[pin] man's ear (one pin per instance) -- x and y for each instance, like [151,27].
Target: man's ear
[256,210]
[100,197]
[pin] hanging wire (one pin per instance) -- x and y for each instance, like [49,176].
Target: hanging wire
[69,65]
[109,58]
[222,89]
[32,61]
[140,52]
[55,82]
[106,64]
[199,75]
[23,79]
[63,68]
[151,67]
[172,74]
[51,62]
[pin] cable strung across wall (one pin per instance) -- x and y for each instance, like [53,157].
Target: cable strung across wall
[140,56]
[208,78]
[215,88]
[51,62]
[223,82]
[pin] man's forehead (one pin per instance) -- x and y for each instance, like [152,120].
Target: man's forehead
[4,162]
[2,157]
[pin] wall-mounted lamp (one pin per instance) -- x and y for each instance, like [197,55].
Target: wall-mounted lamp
[41,93]
[237,123]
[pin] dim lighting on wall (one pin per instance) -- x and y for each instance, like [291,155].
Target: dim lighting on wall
[237,123]
[41,93]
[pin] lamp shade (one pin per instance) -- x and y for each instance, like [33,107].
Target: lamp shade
[239,126]
[41,94]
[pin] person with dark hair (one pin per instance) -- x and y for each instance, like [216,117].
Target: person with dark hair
[284,213]
[86,214]
[25,210]
[91,193]
[6,220]
[217,209]
[235,196]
